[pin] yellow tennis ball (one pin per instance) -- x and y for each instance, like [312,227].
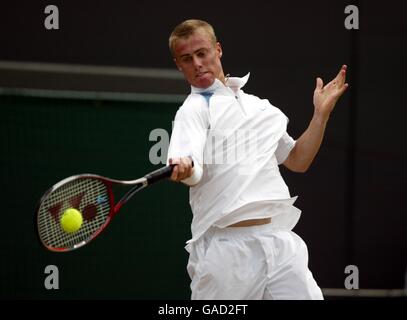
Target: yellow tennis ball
[71,220]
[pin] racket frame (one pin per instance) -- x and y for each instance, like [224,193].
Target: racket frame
[139,184]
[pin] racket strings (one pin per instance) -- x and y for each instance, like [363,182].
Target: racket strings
[89,196]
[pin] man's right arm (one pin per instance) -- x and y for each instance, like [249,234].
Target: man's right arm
[187,143]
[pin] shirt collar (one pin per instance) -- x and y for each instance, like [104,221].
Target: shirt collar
[234,83]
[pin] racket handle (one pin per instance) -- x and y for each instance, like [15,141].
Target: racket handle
[159,174]
[162,173]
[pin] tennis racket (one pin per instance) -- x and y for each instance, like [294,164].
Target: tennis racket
[93,196]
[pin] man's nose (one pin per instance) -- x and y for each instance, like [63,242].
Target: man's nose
[197,62]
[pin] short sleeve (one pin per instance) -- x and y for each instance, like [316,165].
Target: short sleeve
[188,137]
[285,145]
[189,133]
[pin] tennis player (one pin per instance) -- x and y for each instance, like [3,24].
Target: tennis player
[242,245]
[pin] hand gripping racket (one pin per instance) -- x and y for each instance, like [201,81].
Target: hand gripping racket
[93,196]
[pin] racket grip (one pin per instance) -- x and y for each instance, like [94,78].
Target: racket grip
[160,174]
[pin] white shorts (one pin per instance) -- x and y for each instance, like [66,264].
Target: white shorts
[257,262]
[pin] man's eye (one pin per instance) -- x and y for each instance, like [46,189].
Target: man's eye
[201,54]
[186,59]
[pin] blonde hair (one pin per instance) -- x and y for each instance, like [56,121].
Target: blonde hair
[189,27]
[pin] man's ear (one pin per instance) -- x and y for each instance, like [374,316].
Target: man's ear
[219,49]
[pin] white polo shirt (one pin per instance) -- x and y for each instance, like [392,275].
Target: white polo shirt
[237,141]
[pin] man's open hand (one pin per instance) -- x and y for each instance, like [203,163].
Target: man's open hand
[325,97]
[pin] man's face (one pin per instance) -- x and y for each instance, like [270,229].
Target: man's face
[199,59]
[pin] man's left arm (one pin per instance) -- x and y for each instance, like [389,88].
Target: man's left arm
[307,146]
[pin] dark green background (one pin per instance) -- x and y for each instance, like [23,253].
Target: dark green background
[141,254]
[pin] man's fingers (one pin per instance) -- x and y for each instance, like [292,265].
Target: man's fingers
[340,72]
[175,171]
[339,92]
[174,175]
[344,87]
[320,84]
[182,168]
[340,78]
[174,160]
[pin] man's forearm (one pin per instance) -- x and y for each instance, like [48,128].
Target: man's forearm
[307,146]
[325,98]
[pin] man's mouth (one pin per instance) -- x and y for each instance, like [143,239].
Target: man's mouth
[198,75]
